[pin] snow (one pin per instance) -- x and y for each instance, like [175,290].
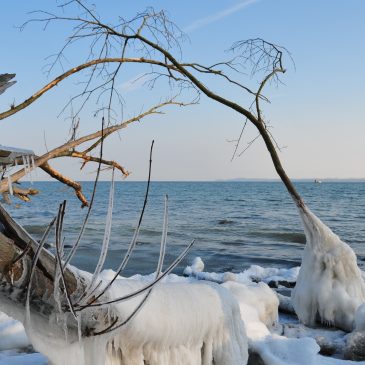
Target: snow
[197,266]
[12,334]
[279,350]
[258,305]
[329,284]
[253,273]
[170,330]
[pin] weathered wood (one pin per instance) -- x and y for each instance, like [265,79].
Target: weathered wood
[17,250]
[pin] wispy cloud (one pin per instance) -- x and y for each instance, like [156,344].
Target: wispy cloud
[200,23]
[134,83]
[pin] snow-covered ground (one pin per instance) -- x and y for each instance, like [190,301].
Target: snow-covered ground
[278,340]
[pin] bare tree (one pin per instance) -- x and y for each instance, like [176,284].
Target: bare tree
[151,39]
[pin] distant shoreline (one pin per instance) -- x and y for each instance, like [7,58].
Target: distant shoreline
[309,180]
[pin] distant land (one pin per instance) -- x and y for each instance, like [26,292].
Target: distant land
[238,179]
[324,180]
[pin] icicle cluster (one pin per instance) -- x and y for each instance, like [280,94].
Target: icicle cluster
[29,166]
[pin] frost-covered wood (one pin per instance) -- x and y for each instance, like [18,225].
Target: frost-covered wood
[5,82]
[181,323]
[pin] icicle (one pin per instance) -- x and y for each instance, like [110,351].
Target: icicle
[10,185]
[27,158]
[24,163]
[65,328]
[164,238]
[158,270]
[104,248]
[56,289]
[33,164]
[79,324]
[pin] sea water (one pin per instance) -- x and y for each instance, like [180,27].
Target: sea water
[234,224]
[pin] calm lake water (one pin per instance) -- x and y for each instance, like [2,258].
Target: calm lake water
[235,224]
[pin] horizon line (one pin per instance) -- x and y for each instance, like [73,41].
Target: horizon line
[238,179]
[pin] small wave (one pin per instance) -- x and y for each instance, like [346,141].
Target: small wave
[35,228]
[295,237]
[150,232]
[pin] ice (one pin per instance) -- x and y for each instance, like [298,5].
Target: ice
[179,332]
[253,273]
[197,266]
[330,286]
[10,185]
[106,239]
[29,167]
[32,163]
[12,334]
[258,305]
[279,350]
[169,330]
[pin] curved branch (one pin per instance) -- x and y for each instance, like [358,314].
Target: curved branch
[67,181]
[238,108]
[262,85]
[88,158]
[16,108]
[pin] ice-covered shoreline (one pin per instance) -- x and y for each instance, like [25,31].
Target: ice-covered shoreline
[285,343]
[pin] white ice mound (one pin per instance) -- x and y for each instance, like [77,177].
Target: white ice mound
[279,350]
[197,266]
[180,324]
[259,307]
[330,286]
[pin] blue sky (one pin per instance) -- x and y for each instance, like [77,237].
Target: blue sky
[316,114]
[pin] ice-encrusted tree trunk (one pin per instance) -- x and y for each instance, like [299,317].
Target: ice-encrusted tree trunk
[155,36]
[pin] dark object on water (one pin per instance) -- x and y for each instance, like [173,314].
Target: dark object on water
[225,221]
[5,82]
